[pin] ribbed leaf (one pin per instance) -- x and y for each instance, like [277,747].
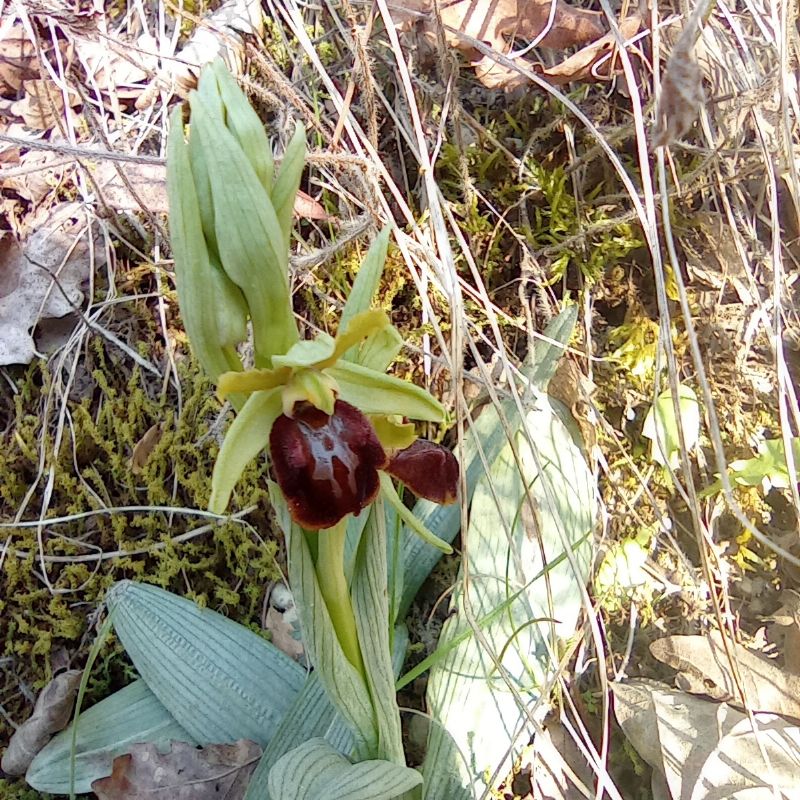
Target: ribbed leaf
[488,433]
[507,539]
[315,770]
[218,679]
[106,730]
[371,610]
[343,684]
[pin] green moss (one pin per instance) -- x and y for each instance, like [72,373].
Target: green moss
[90,469]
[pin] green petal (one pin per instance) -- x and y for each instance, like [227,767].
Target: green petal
[379,350]
[251,380]
[316,387]
[389,493]
[246,438]
[393,435]
[375,393]
[307,352]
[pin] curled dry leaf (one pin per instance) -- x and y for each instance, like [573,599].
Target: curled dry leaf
[186,772]
[704,668]
[148,182]
[708,751]
[41,278]
[595,61]
[219,35]
[283,623]
[682,94]
[117,66]
[553,24]
[17,61]
[51,714]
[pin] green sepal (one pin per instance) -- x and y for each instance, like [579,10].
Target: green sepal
[247,436]
[375,393]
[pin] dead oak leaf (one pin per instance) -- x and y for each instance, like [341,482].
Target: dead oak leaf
[42,104]
[216,772]
[51,714]
[499,23]
[595,61]
[41,277]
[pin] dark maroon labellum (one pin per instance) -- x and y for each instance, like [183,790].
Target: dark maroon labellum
[326,466]
[429,470]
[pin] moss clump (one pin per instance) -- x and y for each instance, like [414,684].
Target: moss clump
[53,580]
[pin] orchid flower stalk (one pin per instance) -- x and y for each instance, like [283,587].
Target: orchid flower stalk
[336,427]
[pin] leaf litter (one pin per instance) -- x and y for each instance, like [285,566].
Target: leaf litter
[51,714]
[185,772]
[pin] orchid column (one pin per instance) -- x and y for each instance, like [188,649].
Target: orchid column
[334,424]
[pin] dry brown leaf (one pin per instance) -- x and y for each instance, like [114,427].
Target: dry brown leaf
[119,67]
[144,447]
[499,23]
[708,751]
[35,173]
[148,181]
[42,277]
[219,36]
[51,714]
[17,61]
[42,104]
[704,668]
[306,207]
[216,772]
[585,64]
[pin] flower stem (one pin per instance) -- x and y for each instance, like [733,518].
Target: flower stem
[333,585]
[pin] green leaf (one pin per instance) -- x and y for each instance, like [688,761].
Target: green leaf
[375,393]
[244,124]
[661,425]
[206,298]
[315,770]
[247,436]
[343,684]
[106,730]
[287,182]
[368,277]
[371,609]
[252,249]
[220,681]
[507,540]
[769,467]
[482,444]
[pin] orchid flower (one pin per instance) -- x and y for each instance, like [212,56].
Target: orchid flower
[330,425]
